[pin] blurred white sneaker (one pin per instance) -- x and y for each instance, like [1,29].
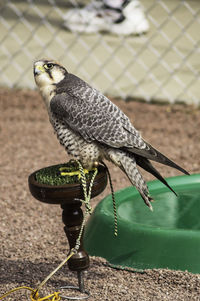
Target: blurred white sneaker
[80,15]
[97,17]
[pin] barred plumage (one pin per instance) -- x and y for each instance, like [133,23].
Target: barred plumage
[92,128]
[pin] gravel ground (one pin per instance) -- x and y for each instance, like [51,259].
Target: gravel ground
[33,242]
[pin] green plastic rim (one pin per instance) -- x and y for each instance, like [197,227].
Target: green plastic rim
[168,237]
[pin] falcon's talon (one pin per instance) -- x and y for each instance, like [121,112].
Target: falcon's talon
[73,173]
[92,128]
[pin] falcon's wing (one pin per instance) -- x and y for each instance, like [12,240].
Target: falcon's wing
[94,117]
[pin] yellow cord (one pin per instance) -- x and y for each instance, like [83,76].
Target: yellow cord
[53,297]
[54,271]
[34,295]
[17,289]
[34,292]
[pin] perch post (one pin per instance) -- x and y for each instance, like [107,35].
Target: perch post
[68,197]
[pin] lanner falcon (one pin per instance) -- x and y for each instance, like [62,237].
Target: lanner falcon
[92,128]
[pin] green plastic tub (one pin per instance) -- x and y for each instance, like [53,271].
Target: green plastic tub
[168,237]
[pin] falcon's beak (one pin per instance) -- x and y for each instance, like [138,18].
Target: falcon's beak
[38,69]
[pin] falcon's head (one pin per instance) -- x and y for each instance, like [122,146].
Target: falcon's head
[48,72]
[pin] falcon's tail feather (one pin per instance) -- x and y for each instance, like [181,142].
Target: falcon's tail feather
[146,165]
[153,154]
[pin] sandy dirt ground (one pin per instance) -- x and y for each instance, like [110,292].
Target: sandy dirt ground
[32,240]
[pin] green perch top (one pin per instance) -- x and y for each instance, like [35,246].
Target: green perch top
[61,174]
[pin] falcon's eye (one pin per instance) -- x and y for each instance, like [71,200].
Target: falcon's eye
[48,66]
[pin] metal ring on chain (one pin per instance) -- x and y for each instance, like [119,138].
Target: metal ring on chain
[74,297]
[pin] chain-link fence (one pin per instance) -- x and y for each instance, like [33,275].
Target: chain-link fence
[161,65]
